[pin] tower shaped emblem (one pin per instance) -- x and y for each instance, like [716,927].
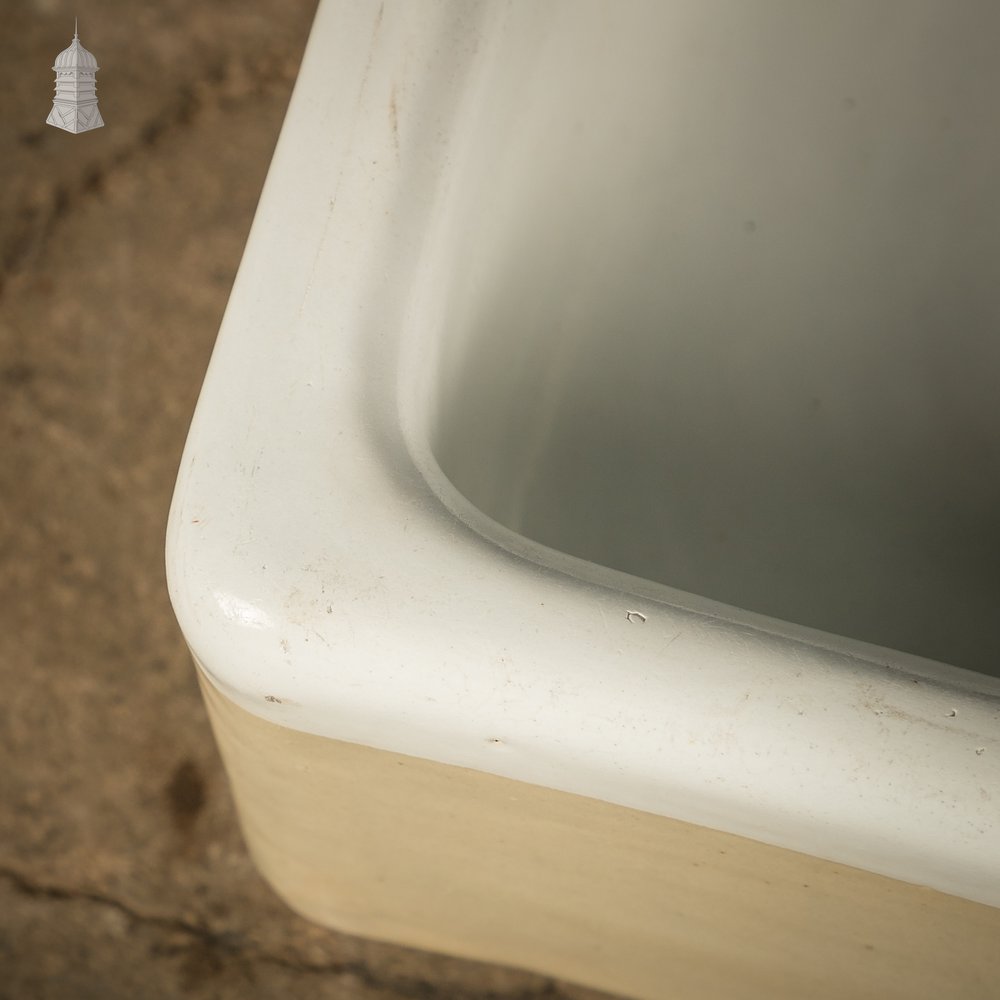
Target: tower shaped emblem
[75,106]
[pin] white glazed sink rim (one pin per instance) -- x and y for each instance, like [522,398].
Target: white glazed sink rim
[356,595]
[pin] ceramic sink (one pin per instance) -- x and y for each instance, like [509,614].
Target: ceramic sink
[587,535]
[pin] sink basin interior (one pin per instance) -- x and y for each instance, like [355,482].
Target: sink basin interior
[723,308]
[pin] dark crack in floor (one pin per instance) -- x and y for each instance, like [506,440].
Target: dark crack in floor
[202,951]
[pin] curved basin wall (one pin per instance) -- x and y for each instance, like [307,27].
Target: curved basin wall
[727,320]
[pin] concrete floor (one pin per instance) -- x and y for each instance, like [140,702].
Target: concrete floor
[122,871]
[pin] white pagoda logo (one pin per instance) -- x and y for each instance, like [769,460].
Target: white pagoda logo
[75,106]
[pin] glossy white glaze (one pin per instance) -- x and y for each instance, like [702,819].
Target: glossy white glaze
[329,577]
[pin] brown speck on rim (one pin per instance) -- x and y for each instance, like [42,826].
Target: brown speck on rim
[394,119]
[270,697]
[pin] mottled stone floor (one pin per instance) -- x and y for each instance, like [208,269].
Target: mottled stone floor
[122,871]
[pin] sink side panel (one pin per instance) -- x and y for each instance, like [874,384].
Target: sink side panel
[455,860]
